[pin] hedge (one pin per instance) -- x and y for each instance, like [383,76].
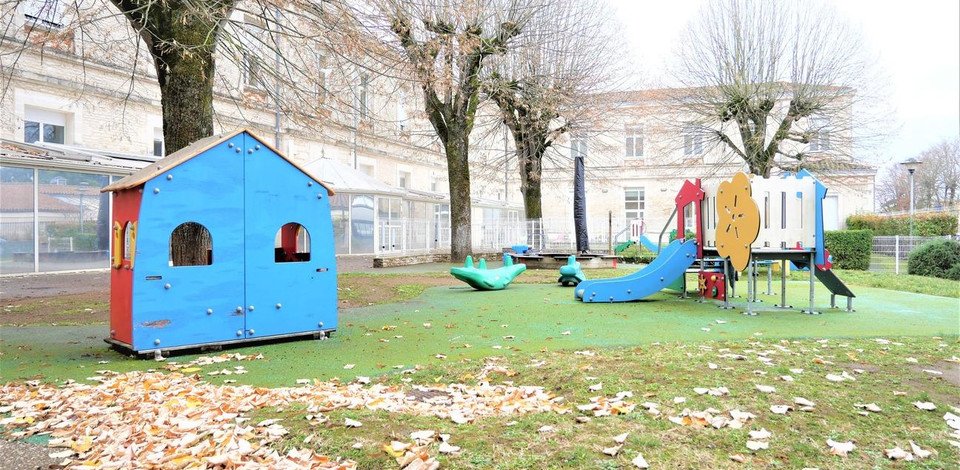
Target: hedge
[637,254]
[850,249]
[937,258]
[931,224]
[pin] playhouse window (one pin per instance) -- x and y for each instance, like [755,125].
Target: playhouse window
[191,245]
[292,244]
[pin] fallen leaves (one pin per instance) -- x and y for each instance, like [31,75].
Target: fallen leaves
[715,392]
[639,461]
[734,419]
[780,409]
[841,377]
[176,420]
[897,453]
[765,389]
[867,407]
[805,405]
[840,448]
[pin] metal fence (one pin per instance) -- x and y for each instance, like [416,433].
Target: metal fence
[889,254]
[416,236]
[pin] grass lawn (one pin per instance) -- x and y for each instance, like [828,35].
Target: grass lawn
[658,373]
[657,349]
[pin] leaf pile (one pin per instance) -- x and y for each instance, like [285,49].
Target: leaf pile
[177,421]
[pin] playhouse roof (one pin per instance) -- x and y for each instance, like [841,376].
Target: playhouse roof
[345,179]
[180,156]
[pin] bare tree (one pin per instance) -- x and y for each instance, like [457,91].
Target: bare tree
[774,84]
[445,44]
[548,83]
[181,38]
[936,181]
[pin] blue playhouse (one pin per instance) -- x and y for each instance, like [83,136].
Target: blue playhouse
[225,241]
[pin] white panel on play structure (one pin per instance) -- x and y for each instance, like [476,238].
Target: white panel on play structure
[787,210]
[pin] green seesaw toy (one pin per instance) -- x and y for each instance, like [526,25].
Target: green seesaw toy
[481,278]
[571,274]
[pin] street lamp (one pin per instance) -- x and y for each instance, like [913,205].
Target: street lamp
[911,165]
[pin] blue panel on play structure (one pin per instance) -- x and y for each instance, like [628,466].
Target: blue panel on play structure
[170,304]
[821,193]
[293,296]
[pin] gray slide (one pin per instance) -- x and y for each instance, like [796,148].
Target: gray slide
[833,283]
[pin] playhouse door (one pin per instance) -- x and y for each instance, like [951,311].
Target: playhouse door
[290,285]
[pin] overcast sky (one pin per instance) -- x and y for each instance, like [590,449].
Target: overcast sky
[917,43]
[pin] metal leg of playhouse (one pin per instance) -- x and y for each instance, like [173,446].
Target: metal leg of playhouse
[811,267]
[849,304]
[770,279]
[726,283]
[783,285]
[833,300]
[751,287]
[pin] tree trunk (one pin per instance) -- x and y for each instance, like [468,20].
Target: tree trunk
[186,94]
[458,169]
[532,198]
[181,38]
[531,174]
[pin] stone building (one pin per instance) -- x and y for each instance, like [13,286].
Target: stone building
[89,98]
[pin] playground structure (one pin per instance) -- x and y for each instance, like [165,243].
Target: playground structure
[204,256]
[738,224]
[481,278]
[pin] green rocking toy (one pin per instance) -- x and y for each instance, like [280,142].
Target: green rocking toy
[481,278]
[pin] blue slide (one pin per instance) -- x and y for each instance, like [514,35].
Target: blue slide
[672,263]
[649,244]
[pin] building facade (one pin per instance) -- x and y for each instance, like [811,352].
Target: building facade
[90,96]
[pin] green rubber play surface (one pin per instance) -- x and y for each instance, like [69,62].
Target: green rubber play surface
[463,323]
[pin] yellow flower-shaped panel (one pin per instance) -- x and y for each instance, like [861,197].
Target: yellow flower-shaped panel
[738,220]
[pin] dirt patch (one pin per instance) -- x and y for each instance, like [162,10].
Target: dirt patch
[364,290]
[53,284]
[951,371]
[91,307]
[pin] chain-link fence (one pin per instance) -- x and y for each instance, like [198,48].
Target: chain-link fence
[889,254]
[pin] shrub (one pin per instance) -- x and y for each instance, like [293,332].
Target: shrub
[637,254]
[937,258]
[850,248]
[924,225]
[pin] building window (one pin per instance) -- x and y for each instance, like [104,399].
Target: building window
[820,134]
[403,179]
[633,203]
[692,140]
[291,244]
[251,71]
[634,142]
[402,110]
[253,32]
[367,169]
[191,245]
[47,13]
[322,79]
[157,142]
[578,147]
[40,125]
[363,95]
